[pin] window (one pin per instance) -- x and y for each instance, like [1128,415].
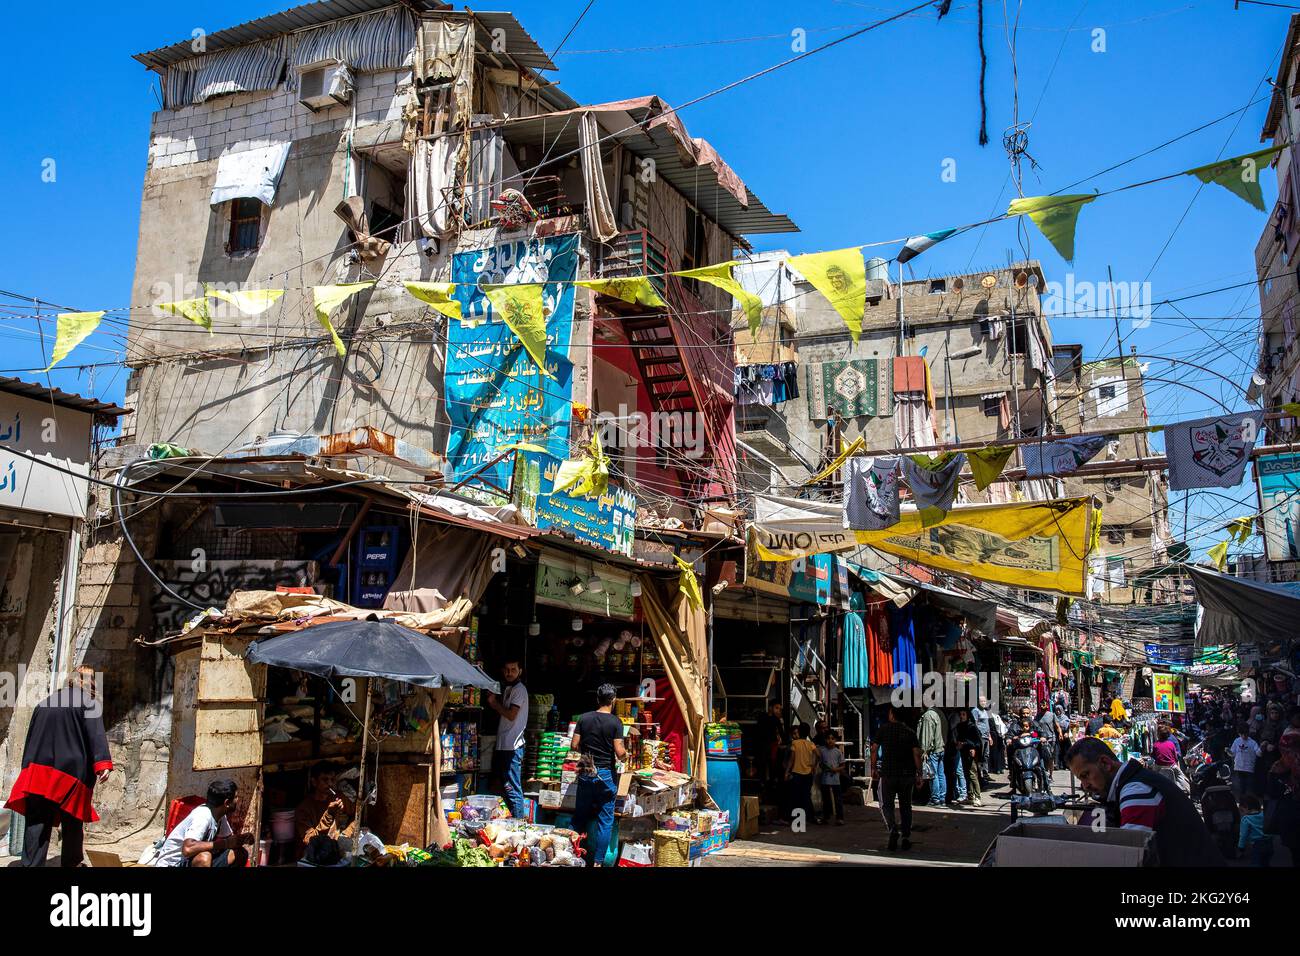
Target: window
[938,286]
[993,406]
[1019,337]
[1115,537]
[384,223]
[245,225]
[1106,393]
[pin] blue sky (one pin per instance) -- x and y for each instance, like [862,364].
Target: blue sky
[851,143]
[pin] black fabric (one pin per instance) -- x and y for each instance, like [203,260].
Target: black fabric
[40,819]
[597,732]
[896,740]
[1182,838]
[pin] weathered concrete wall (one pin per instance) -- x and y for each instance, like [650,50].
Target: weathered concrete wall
[28,616]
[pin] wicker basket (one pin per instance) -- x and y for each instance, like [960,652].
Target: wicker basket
[672,848]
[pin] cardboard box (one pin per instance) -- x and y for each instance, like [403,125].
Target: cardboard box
[749,807]
[1063,844]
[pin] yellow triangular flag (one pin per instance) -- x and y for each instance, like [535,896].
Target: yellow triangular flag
[327,298]
[1055,216]
[987,463]
[196,310]
[73,327]
[637,290]
[720,276]
[587,477]
[1219,555]
[522,308]
[840,276]
[250,301]
[1239,174]
[437,295]
[1241,529]
[689,583]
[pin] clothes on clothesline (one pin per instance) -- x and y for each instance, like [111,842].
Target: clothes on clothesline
[766,384]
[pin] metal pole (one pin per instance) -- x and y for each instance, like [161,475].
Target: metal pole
[899,310]
[361,779]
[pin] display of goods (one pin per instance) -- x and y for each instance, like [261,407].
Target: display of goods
[723,739]
[672,848]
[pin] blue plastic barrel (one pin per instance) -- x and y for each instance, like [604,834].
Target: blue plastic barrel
[724,787]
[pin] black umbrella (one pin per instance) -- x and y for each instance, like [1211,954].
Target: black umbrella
[371,649]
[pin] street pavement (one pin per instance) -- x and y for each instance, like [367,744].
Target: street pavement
[941,836]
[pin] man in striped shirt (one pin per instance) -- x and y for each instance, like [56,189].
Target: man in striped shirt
[1137,798]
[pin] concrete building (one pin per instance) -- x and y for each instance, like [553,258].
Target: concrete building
[1103,395]
[352,141]
[1277,379]
[980,338]
[50,440]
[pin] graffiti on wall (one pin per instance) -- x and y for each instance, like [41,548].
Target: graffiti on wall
[209,583]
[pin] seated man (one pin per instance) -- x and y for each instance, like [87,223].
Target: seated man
[324,810]
[1137,798]
[204,838]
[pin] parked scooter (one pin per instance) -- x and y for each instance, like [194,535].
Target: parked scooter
[1203,772]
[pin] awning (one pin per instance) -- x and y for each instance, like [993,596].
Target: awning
[250,174]
[1237,611]
[981,614]
[1023,625]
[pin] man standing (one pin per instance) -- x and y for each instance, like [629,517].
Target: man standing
[933,738]
[981,715]
[508,759]
[1046,727]
[1137,798]
[598,737]
[898,768]
[771,734]
[968,747]
[1245,753]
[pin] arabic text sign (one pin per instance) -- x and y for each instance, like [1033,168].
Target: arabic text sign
[1169,693]
[1278,478]
[495,394]
[60,436]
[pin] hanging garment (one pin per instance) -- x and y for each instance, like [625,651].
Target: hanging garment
[933,482]
[879,659]
[871,493]
[1210,452]
[903,628]
[857,671]
[913,422]
[791,380]
[1062,456]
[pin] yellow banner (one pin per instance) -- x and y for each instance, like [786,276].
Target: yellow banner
[251,302]
[857,445]
[327,298]
[72,329]
[196,310]
[636,291]
[522,308]
[689,583]
[720,276]
[437,295]
[1039,545]
[585,477]
[840,276]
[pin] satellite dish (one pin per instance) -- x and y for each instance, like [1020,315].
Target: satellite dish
[957,285]
[989,281]
[1022,280]
[1033,280]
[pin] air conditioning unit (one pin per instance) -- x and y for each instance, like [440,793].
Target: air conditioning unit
[325,84]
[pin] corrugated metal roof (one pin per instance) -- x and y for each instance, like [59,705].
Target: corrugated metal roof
[520,46]
[16,386]
[287,21]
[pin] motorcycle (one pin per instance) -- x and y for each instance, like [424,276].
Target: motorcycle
[1219,809]
[1025,761]
[1204,772]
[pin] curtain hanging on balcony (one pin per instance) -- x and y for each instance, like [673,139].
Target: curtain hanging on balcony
[600,214]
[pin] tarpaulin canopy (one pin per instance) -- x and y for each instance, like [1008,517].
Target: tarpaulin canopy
[1040,545]
[371,649]
[1237,611]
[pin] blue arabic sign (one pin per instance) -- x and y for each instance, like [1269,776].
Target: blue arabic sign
[495,394]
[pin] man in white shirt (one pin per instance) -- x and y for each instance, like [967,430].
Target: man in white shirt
[508,760]
[204,838]
[1245,751]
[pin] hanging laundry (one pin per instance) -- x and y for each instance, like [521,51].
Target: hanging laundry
[987,463]
[857,669]
[1062,456]
[871,494]
[1210,452]
[934,483]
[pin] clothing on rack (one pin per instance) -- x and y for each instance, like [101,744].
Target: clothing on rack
[769,384]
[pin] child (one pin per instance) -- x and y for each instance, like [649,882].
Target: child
[832,763]
[1253,837]
[800,771]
